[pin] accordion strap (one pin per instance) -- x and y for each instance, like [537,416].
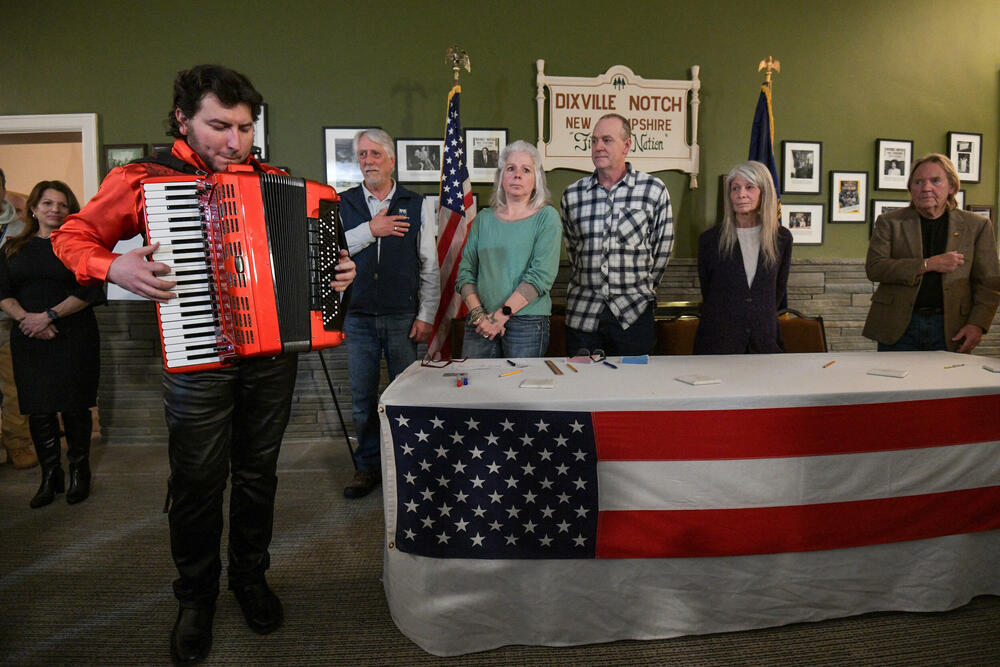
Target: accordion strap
[167,159]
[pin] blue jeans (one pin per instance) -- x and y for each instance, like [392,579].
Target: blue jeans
[526,336]
[924,333]
[368,338]
[640,338]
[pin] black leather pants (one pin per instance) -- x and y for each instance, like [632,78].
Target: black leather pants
[224,421]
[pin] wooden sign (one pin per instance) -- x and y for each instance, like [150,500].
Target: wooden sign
[663,113]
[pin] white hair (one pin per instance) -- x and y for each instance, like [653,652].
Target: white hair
[380,137]
[540,195]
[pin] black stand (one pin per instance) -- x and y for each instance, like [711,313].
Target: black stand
[336,403]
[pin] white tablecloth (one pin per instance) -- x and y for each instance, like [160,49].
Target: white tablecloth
[453,605]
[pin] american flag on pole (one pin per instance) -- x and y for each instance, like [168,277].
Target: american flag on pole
[526,484]
[457,209]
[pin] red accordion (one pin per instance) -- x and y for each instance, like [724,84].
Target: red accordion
[253,255]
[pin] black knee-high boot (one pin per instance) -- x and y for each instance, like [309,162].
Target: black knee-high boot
[45,434]
[78,426]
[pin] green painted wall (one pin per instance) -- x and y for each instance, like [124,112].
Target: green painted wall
[852,71]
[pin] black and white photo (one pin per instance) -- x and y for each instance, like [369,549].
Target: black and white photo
[893,158]
[802,165]
[342,171]
[119,155]
[484,146]
[419,160]
[966,150]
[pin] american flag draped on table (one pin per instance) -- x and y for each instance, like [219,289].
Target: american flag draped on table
[457,209]
[555,484]
[618,506]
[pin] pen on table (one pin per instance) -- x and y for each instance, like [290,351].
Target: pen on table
[570,366]
[607,363]
[511,362]
[829,363]
[519,370]
[953,366]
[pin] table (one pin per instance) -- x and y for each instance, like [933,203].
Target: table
[624,504]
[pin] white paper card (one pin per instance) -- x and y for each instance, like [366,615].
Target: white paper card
[888,372]
[697,379]
[538,383]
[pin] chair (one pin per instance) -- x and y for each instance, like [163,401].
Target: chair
[676,336]
[801,333]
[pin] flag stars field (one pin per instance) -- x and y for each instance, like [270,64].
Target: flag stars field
[540,483]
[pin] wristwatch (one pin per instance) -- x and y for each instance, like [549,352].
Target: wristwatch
[506,310]
[53,315]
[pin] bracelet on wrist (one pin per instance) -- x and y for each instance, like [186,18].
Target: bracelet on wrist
[476,314]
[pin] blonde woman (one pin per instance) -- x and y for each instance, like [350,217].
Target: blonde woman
[743,265]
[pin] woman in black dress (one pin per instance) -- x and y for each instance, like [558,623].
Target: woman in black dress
[56,345]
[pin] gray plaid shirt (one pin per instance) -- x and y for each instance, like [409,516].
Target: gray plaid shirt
[618,243]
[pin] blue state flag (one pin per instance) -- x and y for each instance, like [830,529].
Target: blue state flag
[762,135]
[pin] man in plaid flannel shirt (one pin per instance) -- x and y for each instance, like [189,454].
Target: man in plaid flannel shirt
[619,228]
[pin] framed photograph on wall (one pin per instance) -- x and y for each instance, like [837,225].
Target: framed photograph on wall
[848,196]
[260,134]
[960,198]
[805,221]
[801,166]
[880,206]
[118,155]
[482,149]
[966,150]
[160,148]
[983,210]
[893,158]
[342,171]
[419,160]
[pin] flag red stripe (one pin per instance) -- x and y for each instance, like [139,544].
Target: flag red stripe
[445,238]
[801,431]
[734,532]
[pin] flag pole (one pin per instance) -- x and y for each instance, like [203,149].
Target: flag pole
[771,65]
[458,59]
[456,210]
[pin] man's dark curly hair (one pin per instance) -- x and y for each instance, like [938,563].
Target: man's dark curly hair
[228,85]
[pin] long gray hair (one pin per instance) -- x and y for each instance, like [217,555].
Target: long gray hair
[540,195]
[757,174]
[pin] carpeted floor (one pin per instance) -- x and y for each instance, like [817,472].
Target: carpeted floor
[90,584]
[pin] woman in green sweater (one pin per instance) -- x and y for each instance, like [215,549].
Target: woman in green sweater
[510,261]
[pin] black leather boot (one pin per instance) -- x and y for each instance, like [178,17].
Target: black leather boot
[45,434]
[78,427]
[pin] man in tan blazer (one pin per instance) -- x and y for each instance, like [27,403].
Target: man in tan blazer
[936,268]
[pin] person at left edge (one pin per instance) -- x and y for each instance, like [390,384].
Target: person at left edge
[395,295]
[220,422]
